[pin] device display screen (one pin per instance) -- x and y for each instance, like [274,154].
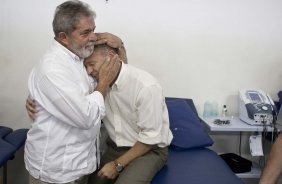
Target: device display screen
[254,97]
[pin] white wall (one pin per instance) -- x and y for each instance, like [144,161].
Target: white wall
[199,49]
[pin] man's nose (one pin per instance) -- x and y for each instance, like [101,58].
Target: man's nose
[89,70]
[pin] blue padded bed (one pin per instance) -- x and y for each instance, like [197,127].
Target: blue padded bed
[190,161]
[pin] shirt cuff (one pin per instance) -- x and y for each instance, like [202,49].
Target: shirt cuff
[150,138]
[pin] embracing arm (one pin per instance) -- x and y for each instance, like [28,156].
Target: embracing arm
[30,108]
[70,98]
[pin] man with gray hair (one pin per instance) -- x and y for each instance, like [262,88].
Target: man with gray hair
[62,143]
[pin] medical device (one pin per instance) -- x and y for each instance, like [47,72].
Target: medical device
[256,107]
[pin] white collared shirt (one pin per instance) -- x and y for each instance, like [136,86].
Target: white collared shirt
[61,145]
[136,110]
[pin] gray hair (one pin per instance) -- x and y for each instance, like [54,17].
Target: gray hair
[68,15]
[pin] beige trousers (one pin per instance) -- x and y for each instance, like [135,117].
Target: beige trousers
[139,171]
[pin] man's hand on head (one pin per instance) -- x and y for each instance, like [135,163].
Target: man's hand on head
[108,74]
[109,39]
[114,42]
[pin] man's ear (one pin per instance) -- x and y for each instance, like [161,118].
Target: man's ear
[62,38]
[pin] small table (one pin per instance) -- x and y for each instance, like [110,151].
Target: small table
[237,125]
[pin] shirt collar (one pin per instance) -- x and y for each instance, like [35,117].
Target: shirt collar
[67,51]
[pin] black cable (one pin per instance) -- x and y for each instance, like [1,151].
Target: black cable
[240,143]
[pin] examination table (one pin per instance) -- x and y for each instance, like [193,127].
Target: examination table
[190,161]
[10,142]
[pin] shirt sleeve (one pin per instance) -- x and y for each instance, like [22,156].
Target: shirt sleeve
[63,97]
[150,114]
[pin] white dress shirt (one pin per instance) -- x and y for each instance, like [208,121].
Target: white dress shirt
[61,145]
[136,110]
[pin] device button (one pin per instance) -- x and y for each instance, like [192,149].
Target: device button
[264,108]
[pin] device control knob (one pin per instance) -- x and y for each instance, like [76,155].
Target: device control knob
[264,108]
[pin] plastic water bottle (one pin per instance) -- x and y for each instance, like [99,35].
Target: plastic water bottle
[224,111]
[207,110]
[214,109]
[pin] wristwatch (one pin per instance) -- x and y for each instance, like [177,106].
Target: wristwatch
[120,47]
[119,166]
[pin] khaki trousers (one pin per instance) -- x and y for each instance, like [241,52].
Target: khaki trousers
[82,180]
[139,171]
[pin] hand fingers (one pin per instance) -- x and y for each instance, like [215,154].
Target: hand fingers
[112,64]
[115,58]
[100,174]
[107,38]
[104,175]
[108,59]
[31,116]
[30,106]
[100,35]
[100,41]
[102,38]
[104,35]
[115,62]
[29,99]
